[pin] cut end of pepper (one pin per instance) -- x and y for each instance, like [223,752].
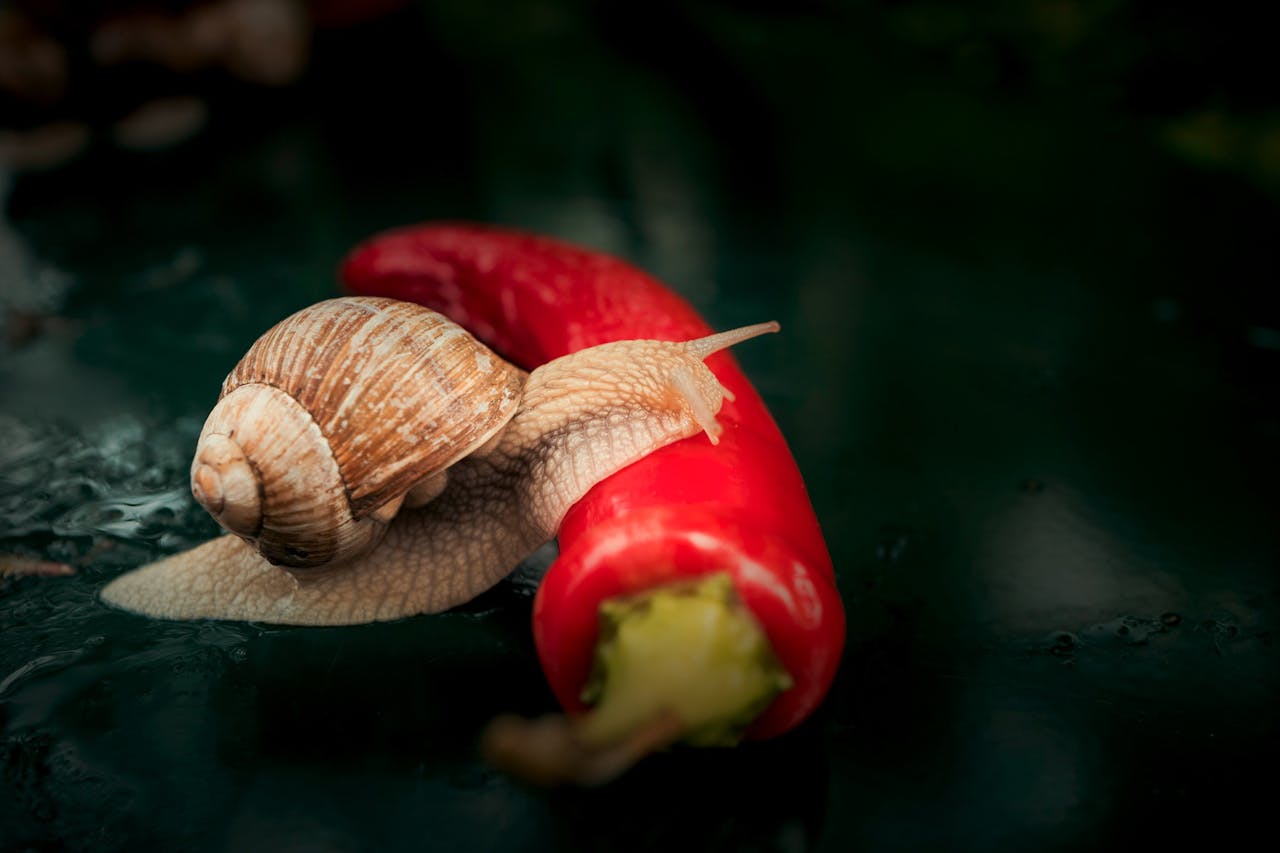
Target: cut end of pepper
[690,649]
[683,662]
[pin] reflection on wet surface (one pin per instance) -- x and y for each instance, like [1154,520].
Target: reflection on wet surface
[1023,366]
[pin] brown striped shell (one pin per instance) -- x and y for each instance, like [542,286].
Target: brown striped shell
[334,415]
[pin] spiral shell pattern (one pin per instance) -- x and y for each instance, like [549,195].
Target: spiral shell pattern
[334,414]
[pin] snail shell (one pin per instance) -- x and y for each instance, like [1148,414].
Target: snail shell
[334,415]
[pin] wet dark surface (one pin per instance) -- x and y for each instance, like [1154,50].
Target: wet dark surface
[1029,367]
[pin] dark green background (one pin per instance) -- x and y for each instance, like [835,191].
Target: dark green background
[1025,259]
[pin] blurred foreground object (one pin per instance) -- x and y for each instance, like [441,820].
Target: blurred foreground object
[141,72]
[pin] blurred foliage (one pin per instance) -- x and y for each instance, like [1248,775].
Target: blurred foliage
[1155,62]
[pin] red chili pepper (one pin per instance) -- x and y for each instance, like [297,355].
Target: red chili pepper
[687,510]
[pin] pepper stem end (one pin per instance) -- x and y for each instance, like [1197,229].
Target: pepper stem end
[685,661]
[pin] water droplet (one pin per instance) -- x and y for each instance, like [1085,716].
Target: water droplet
[892,544]
[1063,643]
[1128,630]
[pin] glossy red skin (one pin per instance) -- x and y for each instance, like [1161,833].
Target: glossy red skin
[688,509]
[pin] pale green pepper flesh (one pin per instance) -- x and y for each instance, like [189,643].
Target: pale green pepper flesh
[689,649]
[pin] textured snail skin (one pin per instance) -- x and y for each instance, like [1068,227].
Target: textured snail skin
[581,418]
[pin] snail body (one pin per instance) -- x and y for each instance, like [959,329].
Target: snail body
[403,537]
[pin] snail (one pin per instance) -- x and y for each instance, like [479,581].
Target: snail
[374,461]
